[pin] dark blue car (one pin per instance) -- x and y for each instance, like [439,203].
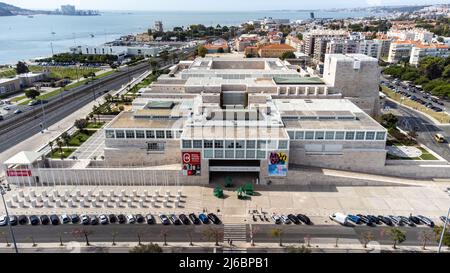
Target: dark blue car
[355,219]
[203,218]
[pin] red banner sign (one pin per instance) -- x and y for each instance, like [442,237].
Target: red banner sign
[191,163]
[191,157]
[18,173]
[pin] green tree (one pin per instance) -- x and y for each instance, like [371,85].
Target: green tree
[287,55]
[50,143]
[300,36]
[21,68]
[213,233]
[65,138]
[446,72]
[32,93]
[300,249]
[201,51]
[153,64]
[150,248]
[81,124]
[397,236]
[389,121]
[277,233]
[438,231]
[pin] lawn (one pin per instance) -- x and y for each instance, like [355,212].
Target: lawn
[65,154]
[96,125]
[7,73]
[80,137]
[64,72]
[426,155]
[144,83]
[441,117]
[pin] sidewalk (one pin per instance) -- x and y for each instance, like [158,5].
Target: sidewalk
[78,247]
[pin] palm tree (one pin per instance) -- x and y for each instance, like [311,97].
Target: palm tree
[50,143]
[65,138]
[213,233]
[277,232]
[60,144]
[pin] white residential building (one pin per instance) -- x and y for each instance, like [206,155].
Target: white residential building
[419,52]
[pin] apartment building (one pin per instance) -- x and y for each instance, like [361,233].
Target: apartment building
[419,52]
[274,50]
[314,37]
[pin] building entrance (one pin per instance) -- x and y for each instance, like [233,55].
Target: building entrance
[239,171]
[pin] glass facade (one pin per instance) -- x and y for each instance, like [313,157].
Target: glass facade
[336,135]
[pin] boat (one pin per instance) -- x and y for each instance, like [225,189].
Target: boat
[92,35]
[53,32]
[30,16]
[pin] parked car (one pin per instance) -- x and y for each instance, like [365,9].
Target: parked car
[276,219]
[305,219]
[75,218]
[23,220]
[355,219]
[406,221]
[366,220]
[174,219]
[184,219]
[214,218]
[194,218]
[395,220]
[415,219]
[293,219]
[164,219]
[45,220]
[374,219]
[285,219]
[203,218]
[139,218]
[427,221]
[131,219]
[103,219]
[65,219]
[121,219]
[150,219]
[34,220]
[85,219]
[444,218]
[54,219]
[112,218]
[339,218]
[385,220]
[3,220]
[18,111]
[94,220]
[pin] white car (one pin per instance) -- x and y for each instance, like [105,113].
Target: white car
[65,219]
[3,220]
[339,218]
[276,219]
[131,219]
[103,219]
[285,219]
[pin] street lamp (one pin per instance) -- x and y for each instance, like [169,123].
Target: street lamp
[3,192]
[443,231]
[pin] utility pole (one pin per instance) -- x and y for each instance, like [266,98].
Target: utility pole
[3,192]
[443,231]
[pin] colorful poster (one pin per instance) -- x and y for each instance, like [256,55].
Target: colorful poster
[18,173]
[191,163]
[278,165]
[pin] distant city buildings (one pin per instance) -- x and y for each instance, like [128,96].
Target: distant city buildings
[159,26]
[71,10]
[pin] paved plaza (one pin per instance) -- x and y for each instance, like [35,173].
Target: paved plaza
[315,201]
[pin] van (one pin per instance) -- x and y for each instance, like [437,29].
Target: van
[339,218]
[439,138]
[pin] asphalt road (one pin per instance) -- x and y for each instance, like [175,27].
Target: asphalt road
[26,130]
[409,120]
[153,233]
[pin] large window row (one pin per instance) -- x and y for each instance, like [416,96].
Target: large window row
[337,135]
[142,134]
[235,144]
[234,154]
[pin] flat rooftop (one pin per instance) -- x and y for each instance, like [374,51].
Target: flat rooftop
[230,132]
[126,120]
[280,80]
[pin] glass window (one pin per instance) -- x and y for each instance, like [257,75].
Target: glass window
[229,144]
[186,144]
[251,144]
[349,135]
[159,134]
[282,144]
[250,154]
[339,135]
[218,153]
[359,135]
[120,134]
[129,134]
[381,135]
[218,144]
[150,134]
[261,154]
[140,134]
[240,154]
[207,144]
[329,135]
[309,135]
[320,135]
[197,144]
[261,144]
[109,133]
[370,135]
[169,134]
[229,153]
[208,153]
[271,144]
[291,134]
[299,135]
[240,144]
[156,146]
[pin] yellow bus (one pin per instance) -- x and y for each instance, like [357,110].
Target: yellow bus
[439,138]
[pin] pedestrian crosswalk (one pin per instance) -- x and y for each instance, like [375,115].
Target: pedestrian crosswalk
[234,250]
[235,232]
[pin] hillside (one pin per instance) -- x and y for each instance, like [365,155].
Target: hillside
[10,10]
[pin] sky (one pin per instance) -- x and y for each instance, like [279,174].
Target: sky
[242,5]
